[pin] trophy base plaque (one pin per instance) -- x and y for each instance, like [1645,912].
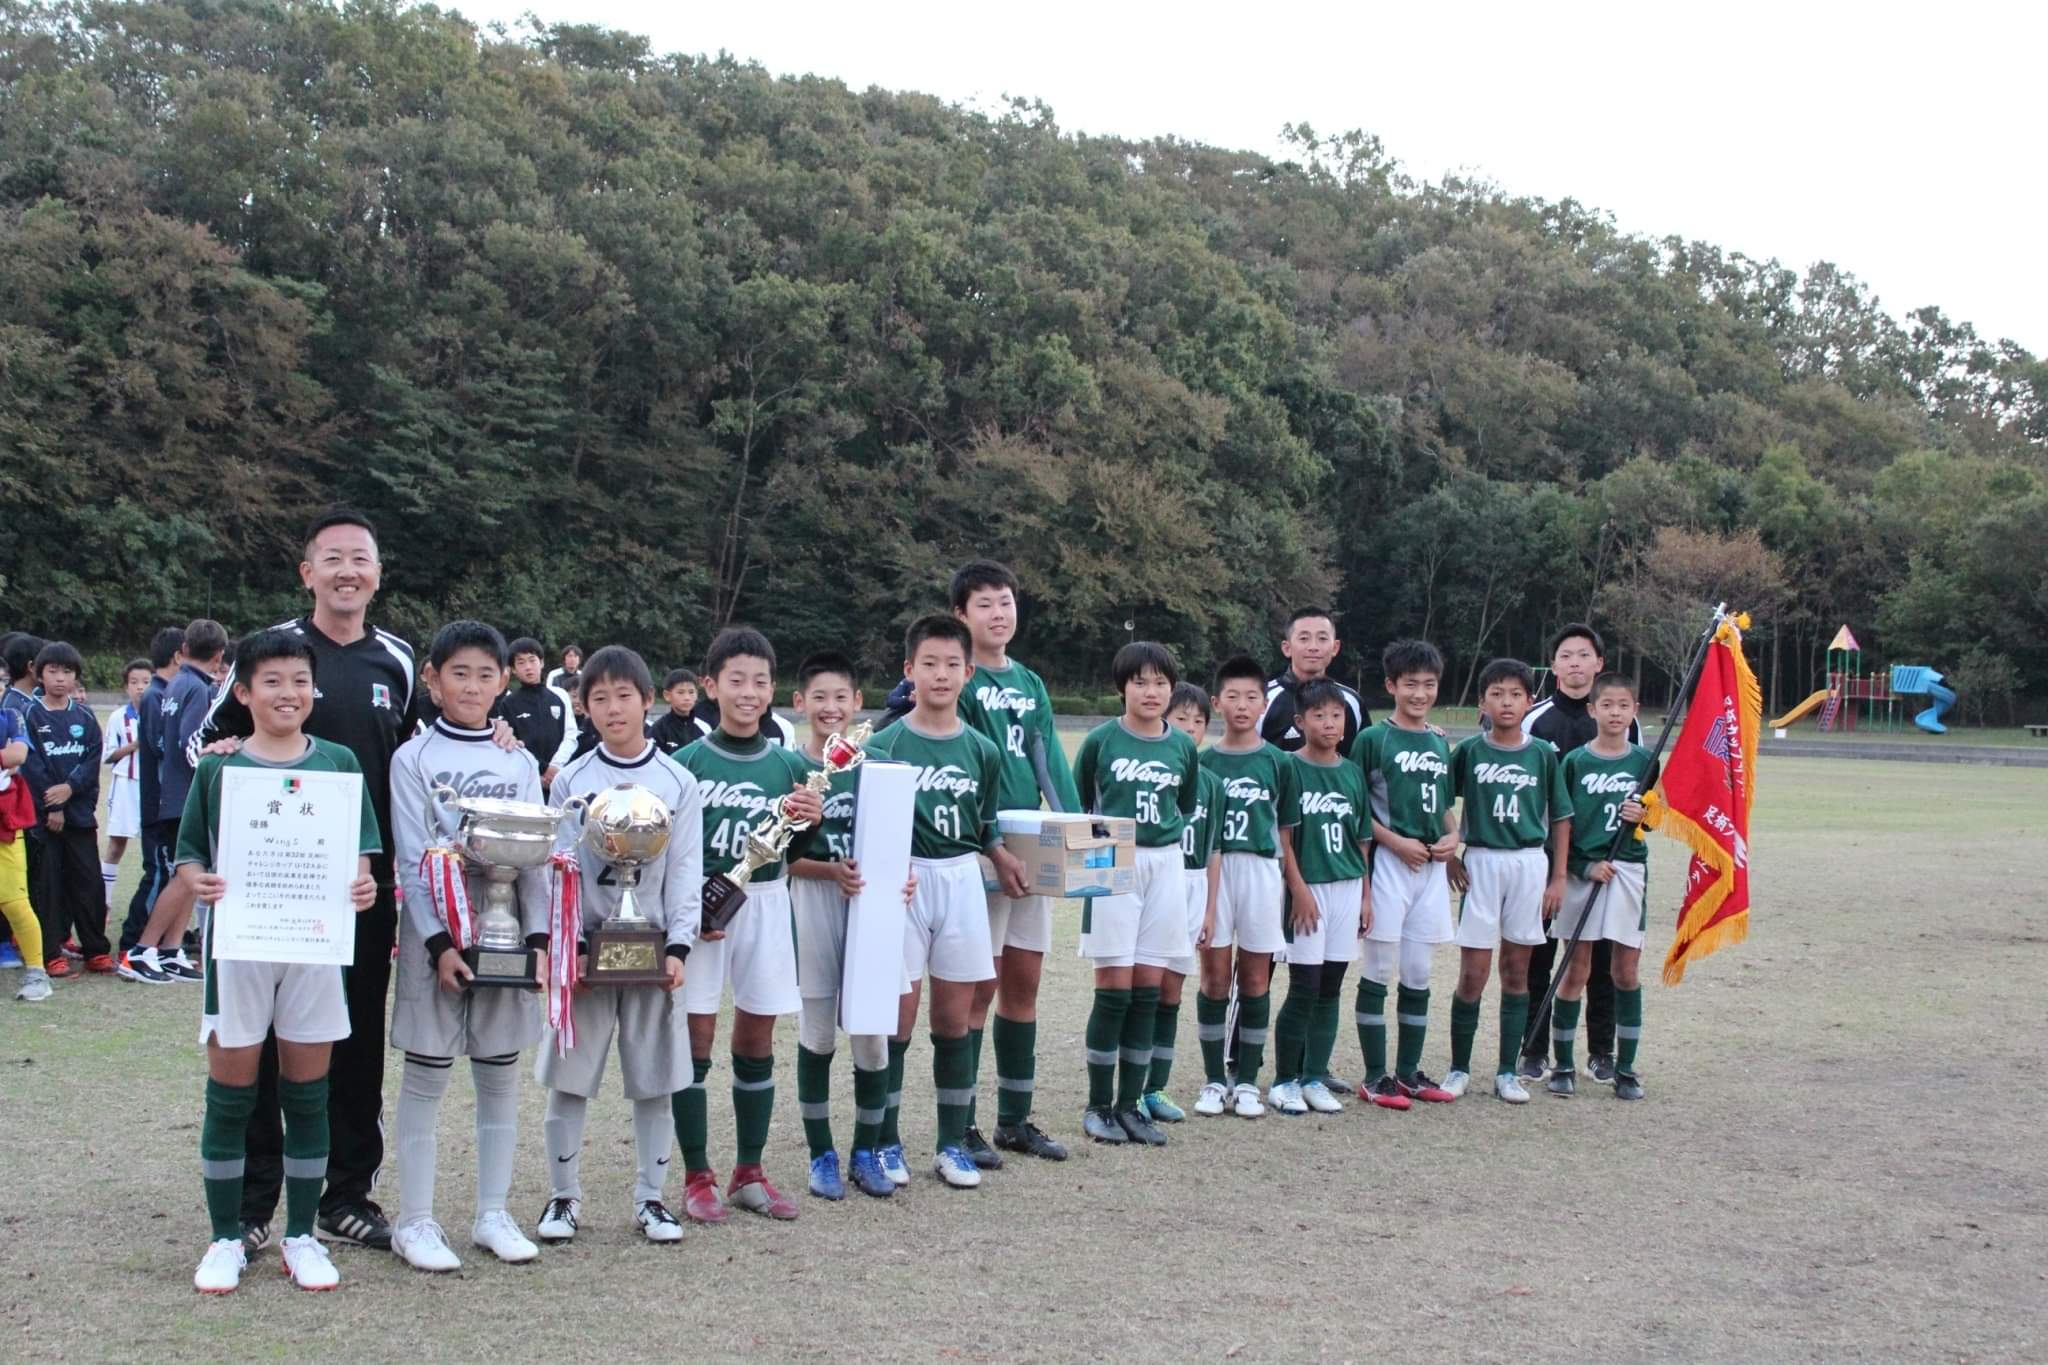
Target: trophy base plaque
[510,968]
[627,957]
[723,898]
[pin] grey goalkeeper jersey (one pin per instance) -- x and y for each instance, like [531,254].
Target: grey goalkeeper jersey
[467,760]
[671,889]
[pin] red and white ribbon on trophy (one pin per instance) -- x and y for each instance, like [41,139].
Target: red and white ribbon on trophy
[565,930]
[442,869]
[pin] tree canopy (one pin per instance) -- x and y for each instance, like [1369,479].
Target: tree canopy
[619,345]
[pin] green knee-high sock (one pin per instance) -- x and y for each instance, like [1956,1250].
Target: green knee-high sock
[1564,1030]
[1464,1028]
[305,1151]
[870,1098]
[973,1075]
[1514,1021]
[1016,1068]
[1254,1014]
[1322,1024]
[693,1122]
[1212,1030]
[223,1144]
[1165,1023]
[1290,1049]
[1371,1014]
[892,1098]
[1412,1009]
[1628,1028]
[814,1098]
[753,1105]
[1134,1055]
[1105,1028]
[953,1086]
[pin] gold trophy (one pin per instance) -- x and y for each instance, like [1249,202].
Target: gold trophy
[725,892]
[627,827]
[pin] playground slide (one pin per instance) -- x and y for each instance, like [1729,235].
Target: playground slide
[1908,679]
[1800,710]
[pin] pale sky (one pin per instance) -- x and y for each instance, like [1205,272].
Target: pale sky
[1896,143]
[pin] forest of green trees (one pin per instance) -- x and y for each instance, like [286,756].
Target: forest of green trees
[622,346]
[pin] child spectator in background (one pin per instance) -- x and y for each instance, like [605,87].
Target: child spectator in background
[124,790]
[64,774]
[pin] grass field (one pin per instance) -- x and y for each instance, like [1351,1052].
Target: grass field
[1842,1158]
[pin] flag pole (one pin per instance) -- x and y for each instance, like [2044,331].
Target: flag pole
[1628,831]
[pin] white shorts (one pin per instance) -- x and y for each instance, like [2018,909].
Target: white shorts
[302,1001]
[124,808]
[437,1023]
[1503,897]
[820,914]
[1250,905]
[946,931]
[1335,937]
[1623,916]
[1025,922]
[756,958]
[654,1042]
[1195,885]
[1148,928]
[1415,906]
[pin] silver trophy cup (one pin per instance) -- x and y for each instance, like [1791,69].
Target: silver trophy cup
[502,839]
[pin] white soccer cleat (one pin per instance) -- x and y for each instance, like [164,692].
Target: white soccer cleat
[1508,1086]
[306,1263]
[423,1246]
[1457,1082]
[956,1168]
[657,1223]
[558,1221]
[1286,1097]
[1246,1102]
[496,1233]
[1317,1096]
[220,1270]
[1211,1100]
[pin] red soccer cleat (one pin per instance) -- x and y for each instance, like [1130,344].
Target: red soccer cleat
[1417,1085]
[1384,1092]
[100,963]
[59,968]
[749,1189]
[700,1198]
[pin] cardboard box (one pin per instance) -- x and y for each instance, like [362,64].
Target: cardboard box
[1072,855]
[885,805]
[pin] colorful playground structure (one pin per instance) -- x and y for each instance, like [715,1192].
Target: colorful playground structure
[1878,691]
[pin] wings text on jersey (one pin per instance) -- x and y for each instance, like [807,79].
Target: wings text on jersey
[1608,784]
[1503,774]
[952,779]
[1143,770]
[479,784]
[1424,761]
[746,796]
[1246,789]
[1325,803]
[994,697]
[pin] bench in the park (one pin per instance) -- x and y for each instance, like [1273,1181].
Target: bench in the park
[2038,731]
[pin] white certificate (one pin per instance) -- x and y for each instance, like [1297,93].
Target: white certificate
[289,840]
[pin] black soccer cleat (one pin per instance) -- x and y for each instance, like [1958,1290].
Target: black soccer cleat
[1600,1067]
[1138,1124]
[1563,1083]
[980,1153]
[1101,1125]
[361,1224]
[1627,1086]
[255,1237]
[1531,1068]
[1025,1137]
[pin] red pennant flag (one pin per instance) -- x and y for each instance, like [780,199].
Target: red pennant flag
[1708,786]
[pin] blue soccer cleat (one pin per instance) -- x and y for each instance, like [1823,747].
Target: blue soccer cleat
[893,1164]
[868,1176]
[825,1181]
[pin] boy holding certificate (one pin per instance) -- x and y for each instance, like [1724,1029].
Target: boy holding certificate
[301,1002]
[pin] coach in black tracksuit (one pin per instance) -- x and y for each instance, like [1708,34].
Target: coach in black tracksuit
[1565,721]
[1311,646]
[364,700]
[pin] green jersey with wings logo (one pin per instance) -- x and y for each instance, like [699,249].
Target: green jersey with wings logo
[1334,821]
[1011,706]
[1261,796]
[1598,786]
[958,779]
[1511,796]
[1154,781]
[834,843]
[1203,835]
[1408,777]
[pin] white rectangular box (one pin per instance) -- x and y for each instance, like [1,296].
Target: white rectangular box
[884,813]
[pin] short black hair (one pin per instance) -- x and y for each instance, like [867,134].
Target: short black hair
[1318,692]
[253,651]
[1139,655]
[204,640]
[132,666]
[1507,670]
[1240,666]
[164,646]
[61,653]
[572,683]
[526,644]
[1578,630]
[675,678]
[567,650]
[21,655]
[736,642]
[1404,657]
[334,516]
[826,661]
[1187,694]
[615,663]
[1607,682]
[1300,614]
[459,635]
[937,627]
[976,574]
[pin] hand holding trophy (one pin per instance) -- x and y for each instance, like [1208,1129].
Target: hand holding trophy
[627,827]
[503,838]
[724,892]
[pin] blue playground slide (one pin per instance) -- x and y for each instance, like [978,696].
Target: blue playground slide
[1913,679]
